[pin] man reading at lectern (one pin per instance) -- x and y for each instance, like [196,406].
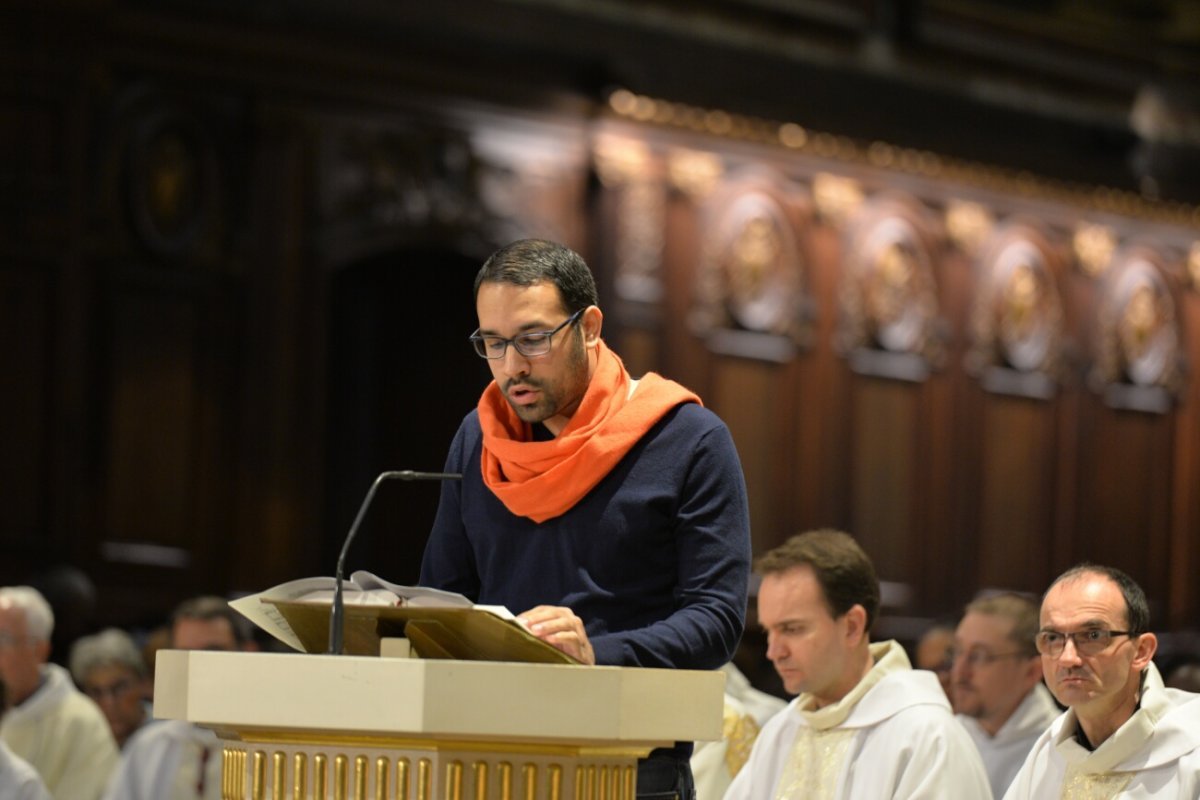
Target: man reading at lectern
[609,512]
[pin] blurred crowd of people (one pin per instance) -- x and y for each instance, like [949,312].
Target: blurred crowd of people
[84,729]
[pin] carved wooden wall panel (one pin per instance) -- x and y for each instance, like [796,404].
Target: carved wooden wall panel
[1125,494]
[26,414]
[746,393]
[165,448]
[1018,492]
[884,474]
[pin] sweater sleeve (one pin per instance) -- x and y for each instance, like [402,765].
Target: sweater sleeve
[712,535]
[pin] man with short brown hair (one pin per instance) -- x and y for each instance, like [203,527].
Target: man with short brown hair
[1123,735]
[866,725]
[996,683]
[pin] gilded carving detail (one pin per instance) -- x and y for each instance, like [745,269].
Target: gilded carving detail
[693,172]
[836,198]
[1139,339]
[968,225]
[627,167]
[752,274]
[888,296]
[1017,320]
[479,772]
[1094,246]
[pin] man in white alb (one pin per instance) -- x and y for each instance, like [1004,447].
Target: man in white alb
[866,725]
[996,683]
[49,723]
[1123,735]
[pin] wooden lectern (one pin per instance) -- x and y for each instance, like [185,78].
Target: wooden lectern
[364,728]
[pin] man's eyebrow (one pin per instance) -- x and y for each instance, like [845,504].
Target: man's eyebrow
[782,623]
[536,326]
[1085,625]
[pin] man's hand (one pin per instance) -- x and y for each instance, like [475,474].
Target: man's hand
[559,627]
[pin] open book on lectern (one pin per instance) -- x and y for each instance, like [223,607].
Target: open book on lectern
[438,624]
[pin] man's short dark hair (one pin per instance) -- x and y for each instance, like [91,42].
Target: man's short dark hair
[208,608]
[1137,610]
[844,572]
[529,261]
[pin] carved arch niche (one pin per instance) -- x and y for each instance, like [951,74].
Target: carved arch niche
[1017,322]
[889,323]
[752,295]
[1139,347]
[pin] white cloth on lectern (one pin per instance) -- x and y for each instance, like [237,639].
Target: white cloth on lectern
[169,760]
[1004,753]
[892,736]
[1156,753]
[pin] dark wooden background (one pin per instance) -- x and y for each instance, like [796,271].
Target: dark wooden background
[237,245]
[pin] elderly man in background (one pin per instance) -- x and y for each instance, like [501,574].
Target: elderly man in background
[18,780]
[49,723]
[174,759]
[996,683]
[109,668]
[1123,735]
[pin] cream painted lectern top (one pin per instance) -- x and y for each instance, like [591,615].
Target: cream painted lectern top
[317,726]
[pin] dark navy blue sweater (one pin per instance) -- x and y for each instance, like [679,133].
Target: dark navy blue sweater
[654,559]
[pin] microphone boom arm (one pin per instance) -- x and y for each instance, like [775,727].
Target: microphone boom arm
[337,611]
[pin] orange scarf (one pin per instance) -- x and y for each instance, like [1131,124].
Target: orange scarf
[541,480]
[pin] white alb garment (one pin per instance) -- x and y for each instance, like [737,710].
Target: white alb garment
[715,764]
[1004,753]
[1156,753]
[18,780]
[893,736]
[169,760]
[64,736]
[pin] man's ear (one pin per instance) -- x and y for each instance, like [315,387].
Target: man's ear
[41,648]
[856,624]
[1147,646]
[591,323]
[1033,671]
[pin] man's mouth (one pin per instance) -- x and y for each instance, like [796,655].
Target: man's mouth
[522,394]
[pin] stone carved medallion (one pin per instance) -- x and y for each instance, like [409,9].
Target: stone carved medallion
[1139,343]
[1017,319]
[752,274]
[888,300]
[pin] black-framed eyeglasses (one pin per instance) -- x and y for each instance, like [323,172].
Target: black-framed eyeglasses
[1091,642]
[980,658]
[533,343]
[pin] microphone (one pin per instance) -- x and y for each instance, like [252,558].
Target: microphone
[337,611]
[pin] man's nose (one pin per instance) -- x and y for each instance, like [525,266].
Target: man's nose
[775,650]
[1069,654]
[513,362]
